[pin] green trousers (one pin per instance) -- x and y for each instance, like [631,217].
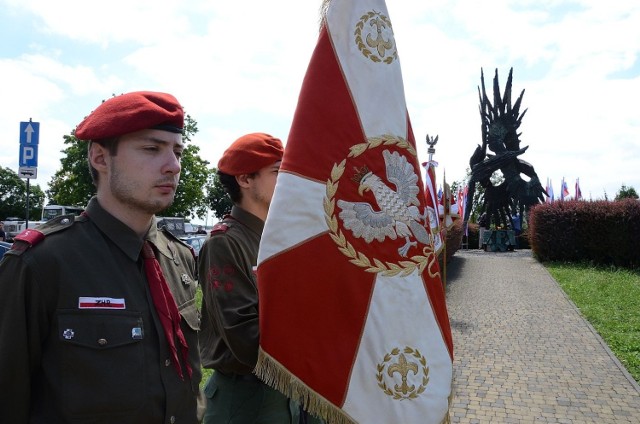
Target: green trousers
[246,400]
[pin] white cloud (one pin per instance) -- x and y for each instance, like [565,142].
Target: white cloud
[237,67]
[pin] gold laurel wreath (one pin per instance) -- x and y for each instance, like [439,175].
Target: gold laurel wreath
[404,268]
[423,365]
[363,47]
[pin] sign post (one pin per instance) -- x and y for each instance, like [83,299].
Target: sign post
[28,161]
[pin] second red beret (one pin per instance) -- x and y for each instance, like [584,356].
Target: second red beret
[250,153]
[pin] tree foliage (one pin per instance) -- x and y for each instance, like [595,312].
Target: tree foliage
[13,197]
[626,193]
[72,185]
[217,199]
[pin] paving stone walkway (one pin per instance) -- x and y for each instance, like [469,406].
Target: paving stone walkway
[524,353]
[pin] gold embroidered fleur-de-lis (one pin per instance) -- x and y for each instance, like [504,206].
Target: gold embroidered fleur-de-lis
[379,43]
[403,367]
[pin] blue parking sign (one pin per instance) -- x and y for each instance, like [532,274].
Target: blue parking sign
[29,139]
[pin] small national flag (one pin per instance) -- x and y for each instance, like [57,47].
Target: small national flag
[564,190]
[550,197]
[578,195]
[353,319]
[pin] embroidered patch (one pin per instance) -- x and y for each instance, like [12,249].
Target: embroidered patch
[100,303]
[229,270]
[214,271]
[228,286]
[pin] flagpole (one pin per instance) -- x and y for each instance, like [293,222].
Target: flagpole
[445,198]
[431,141]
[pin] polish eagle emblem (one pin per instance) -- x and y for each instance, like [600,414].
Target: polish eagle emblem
[395,214]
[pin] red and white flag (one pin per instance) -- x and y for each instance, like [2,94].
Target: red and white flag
[432,205]
[353,320]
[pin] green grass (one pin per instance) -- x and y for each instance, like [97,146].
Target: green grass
[610,300]
[206,373]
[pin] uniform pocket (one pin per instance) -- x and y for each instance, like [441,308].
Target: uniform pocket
[190,314]
[101,349]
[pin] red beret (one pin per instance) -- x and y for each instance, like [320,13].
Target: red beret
[250,153]
[127,113]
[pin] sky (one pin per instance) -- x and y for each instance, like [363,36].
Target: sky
[237,67]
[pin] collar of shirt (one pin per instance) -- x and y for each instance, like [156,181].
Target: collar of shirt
[248,219]
[123,236]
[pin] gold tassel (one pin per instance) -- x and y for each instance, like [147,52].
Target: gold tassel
[277,376]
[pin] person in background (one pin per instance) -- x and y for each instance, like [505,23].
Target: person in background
[482,226]
[3,236]
[517,228]
[98,317]
[229,338]
[201,230]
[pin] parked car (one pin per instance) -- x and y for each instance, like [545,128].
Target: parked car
[4,246]
[195,241]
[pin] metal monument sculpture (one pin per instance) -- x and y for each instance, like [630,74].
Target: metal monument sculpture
[500,123]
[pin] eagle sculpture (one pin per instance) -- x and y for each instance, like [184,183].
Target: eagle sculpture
[500,123]
[396,213]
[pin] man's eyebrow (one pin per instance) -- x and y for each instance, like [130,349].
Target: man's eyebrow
[163,141]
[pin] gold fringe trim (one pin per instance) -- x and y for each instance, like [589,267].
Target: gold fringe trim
[274,374]
[277,376]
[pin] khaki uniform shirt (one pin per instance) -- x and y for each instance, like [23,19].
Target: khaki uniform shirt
[229,336]
[80,340]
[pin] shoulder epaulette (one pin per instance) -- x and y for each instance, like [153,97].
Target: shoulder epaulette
[220,227]
[33,236]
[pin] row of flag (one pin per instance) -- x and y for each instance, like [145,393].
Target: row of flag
[564,191]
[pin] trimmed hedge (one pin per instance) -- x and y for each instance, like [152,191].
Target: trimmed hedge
[600,232]
[453,240]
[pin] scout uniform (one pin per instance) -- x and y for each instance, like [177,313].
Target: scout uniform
[229,336]
[80,337]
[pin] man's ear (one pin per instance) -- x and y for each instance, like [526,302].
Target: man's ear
[243,180]
[98,157]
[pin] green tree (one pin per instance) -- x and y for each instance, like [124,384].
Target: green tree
[217,199]
[13,197]
[72,185]
[626,193]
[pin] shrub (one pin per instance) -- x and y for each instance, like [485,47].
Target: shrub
[454,241]
[599,232]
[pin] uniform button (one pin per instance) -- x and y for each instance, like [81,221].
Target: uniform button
[102,342]
[172,419]
[167,362]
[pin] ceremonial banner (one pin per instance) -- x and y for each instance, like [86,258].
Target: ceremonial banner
[353,320]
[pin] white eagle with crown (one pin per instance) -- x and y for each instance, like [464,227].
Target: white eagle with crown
[398,214]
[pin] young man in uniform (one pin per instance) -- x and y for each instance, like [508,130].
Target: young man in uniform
[229,337]
[98,320]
